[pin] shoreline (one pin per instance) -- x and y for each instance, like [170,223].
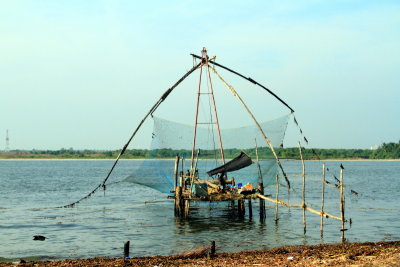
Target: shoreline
[384,253]
[112,159]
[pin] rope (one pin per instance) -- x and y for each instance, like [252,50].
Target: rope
[256,122]
[330,184]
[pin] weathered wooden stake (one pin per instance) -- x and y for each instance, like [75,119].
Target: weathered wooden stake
[277,198]
[250,209]
[321,227]
[187,207]
[178,200]
[176,171]
[260,185]
[126,249]
[342,203]
[304,189]
[262,202]
[212,250]
[241,208]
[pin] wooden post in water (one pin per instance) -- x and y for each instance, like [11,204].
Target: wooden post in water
[126,249]
[176,171]
[277,198]
[342,203]
[262,201]
[250,209]
[241,208]
[321,227]
[187,207]
[303,189]
[212,250]
[260,185]
[178,200]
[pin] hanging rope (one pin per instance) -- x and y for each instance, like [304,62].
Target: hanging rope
[337,186]
[256,122]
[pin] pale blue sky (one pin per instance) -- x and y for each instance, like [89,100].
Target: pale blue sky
[82,74]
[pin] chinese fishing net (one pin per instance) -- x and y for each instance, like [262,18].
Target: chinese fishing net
[170,139]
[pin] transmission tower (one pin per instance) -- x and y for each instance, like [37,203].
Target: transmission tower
[7,148]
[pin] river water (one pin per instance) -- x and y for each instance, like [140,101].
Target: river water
[99,226]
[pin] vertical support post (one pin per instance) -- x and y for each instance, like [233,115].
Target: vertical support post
[260,185]
[342,203]
[187,207]
[178,200]
[321,227]
[277,198]
[262,201]
[176,171]
[182,181]
[212,250]
[241,208]
[303,189]
[250,209]
[126,249]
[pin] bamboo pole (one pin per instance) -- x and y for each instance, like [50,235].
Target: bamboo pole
[325,214]
[321,227]
[183,164]
[187,207]
[260,184]
[277,199]
[342,203]
[303,202]
[182,181]
[256,122]
[122,151]
[178,200]
[177,191]
[211,60]
[221,149]
[262,202]
[176,171]
[194,172]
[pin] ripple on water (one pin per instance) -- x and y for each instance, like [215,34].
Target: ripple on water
[100,225]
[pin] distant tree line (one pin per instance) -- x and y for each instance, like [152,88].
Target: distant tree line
[384,151]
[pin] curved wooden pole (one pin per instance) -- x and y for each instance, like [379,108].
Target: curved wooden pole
[248,79]
[258,125]
[122,151]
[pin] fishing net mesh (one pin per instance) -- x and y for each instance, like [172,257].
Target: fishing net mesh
[171,138]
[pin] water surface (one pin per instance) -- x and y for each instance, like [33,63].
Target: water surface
[99,226]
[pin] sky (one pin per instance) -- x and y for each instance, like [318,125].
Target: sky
[83,74]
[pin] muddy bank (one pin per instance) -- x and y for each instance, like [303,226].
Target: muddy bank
[360,254]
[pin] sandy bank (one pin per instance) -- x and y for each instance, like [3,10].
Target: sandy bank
[354,254]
